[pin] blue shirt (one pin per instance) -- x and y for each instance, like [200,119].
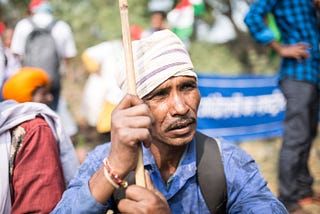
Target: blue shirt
[247,190]
[297,22]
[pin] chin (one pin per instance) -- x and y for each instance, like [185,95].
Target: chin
[180,140]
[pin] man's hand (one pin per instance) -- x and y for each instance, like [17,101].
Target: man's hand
[130,125]
[316,4]
[297,51]
[144,200]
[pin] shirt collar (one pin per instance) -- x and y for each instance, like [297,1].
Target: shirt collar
[189,156]
[186,169]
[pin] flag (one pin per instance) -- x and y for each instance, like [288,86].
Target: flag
[198,6]
[181,19]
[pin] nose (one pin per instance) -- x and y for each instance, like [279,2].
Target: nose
[49,98]
[178,104]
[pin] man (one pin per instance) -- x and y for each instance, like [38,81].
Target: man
[158,11]
[41,16]
[32,84]
[11,62]
[29,84]
[37,158]
[163,117]
[300,82]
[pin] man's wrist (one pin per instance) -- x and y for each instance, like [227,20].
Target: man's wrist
[113,178]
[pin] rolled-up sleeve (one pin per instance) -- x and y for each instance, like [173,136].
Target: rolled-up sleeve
[255,21]
[78,198]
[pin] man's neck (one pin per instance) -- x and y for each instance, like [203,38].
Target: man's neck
[167,158]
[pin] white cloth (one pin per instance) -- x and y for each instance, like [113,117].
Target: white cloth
[93,98]
[13,63]
[9,64]
[160,5]
[107,83]
[61,33]
[157,58]
[67,120]
[2,64]
[13,114]
[5,198]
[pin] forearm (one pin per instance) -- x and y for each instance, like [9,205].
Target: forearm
[106,180]
[79,197]
[100,188]
[298,51]
[276,46]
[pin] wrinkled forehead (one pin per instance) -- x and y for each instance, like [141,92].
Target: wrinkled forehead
[158,58]
[174,81]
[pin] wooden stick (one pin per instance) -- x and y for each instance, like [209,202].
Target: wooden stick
[131,80]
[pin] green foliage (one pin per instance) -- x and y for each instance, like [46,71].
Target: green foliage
[97,20]
[214,58]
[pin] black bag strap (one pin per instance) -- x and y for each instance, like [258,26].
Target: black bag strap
[210,175]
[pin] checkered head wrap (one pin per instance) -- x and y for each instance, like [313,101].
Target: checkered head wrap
[157,58]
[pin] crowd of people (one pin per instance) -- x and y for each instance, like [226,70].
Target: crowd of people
[185,171]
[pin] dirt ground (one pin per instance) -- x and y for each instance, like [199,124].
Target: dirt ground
[266,155]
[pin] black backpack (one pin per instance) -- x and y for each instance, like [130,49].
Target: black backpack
[41,51]
[210,175]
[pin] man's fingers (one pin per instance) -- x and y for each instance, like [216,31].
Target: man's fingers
[151,187]
[132,136]
[127,206]
[129,101]
[140,114]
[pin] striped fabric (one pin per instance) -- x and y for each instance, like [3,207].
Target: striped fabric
[157,58]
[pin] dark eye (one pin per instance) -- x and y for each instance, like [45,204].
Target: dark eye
[158,94]
[188,86]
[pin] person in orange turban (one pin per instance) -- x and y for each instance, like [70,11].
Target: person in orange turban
[29,84]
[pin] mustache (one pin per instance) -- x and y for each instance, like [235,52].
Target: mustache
[180,123]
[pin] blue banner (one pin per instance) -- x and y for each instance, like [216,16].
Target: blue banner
[240,108]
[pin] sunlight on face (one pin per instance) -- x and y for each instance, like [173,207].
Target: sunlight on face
[174,105]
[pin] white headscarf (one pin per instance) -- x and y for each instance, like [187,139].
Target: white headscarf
[157,58]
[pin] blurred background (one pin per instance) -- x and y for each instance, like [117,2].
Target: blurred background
[219,45]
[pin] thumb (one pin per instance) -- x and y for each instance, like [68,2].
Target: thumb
[149,184]
[151,187]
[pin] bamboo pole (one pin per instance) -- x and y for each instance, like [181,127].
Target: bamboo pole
[126,38]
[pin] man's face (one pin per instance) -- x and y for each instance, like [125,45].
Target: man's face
[174,105]
[42,95]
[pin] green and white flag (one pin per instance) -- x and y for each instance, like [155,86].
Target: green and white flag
[181,18]
[198,6]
